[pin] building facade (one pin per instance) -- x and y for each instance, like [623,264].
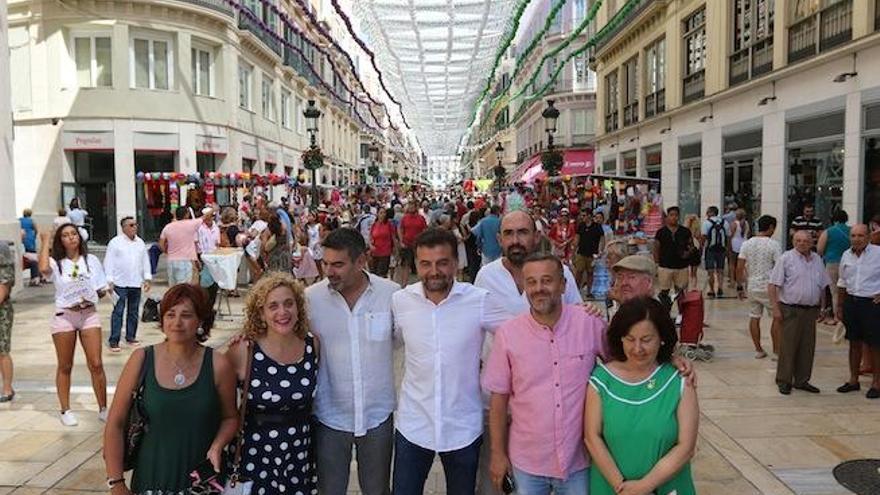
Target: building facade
[170,86]
[771,104]
[516,123]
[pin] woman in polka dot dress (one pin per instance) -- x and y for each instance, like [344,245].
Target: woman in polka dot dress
[277,451]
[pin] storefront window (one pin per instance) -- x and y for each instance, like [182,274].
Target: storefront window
[815,177]
[153,197]
[630,168]
[742,184]
[689,188]
[95,187]
[653,162]
[872,179]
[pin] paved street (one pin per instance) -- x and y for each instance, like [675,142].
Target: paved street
[752,440]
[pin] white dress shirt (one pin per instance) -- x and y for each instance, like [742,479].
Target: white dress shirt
[208,238]
[126,263]
[860,275]
[355,390]
[439,407]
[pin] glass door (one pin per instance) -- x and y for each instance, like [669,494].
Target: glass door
[689,188]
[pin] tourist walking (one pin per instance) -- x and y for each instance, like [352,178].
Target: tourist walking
[673,251]
[590,242]
[127,268]
[350,311]
[29,242]
[411,225]
[715,237]
[283,356]
[833,241]
[178,241]
[79,283]
[383,239]
[7,282]
[641,418]
[526,381]
[756,259]
[797,291]
[275,246]
[486,234]
[858,305]
[188,400]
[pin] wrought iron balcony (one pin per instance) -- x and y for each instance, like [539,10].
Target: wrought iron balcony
[694,86]
[249,23]
[655,103]
[219,5]
[630,113]
[611,121]
[627,22]
[751,61]
[829,27]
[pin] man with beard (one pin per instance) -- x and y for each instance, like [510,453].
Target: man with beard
[441,323]
[350,311]
[536,372]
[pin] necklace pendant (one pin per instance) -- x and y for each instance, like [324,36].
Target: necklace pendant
[651,384]
[179,379]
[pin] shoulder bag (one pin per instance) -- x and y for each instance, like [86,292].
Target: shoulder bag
[136,424]
[236,484]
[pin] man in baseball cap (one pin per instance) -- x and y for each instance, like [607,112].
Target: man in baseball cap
[633,277]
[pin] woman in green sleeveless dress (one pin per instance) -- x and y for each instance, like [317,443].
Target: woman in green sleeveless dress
[189,400]
[640,422]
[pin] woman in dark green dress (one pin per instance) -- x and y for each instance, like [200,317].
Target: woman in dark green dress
[189,399]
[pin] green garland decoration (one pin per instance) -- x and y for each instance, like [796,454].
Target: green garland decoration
[373,170]
[505,44]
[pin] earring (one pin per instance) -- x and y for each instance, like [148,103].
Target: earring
[200,331]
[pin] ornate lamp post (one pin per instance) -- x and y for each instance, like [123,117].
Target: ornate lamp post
[313,159]
[373,170]
[499,168]
[551,159]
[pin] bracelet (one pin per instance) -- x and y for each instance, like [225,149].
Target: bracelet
[112,483]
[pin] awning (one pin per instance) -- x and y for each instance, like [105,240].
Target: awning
[575,163]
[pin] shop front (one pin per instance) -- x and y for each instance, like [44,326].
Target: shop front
[155,154]
[742,171]
[872,163]
[815,166]
[689,178]
[575,163]
[210,153]
[91,155]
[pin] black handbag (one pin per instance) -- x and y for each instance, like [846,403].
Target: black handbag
[151,311]
[136,424]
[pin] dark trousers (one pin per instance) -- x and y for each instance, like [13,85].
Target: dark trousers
[131,297]
[795,365]
[412,464]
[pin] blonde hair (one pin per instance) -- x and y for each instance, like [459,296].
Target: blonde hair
[254,324]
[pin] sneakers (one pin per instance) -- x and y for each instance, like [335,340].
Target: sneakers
[133,343]
[68,418]
[102,415]
[115,349]
[760,355]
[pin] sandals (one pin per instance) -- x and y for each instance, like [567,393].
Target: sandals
[7,398]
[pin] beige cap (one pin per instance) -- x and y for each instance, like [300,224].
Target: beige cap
[637,263]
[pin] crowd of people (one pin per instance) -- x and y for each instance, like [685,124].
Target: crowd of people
[500,351]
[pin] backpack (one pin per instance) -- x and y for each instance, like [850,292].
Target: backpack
[717,235]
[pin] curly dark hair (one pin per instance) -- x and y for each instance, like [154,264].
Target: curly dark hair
[636,311]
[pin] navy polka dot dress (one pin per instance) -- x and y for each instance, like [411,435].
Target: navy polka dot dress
[277,452]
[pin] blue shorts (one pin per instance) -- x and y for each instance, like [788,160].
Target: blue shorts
[715,259]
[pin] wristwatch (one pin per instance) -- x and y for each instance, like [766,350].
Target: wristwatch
[112,483]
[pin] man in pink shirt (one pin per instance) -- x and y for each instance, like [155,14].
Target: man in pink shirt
[178,242]
[538,369]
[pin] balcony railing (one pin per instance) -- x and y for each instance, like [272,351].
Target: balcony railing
[248,23]
[694,86]
[655,103]
[631,113]
[751,61]
[218,5]
[635,12]
[826,29]
[611,122]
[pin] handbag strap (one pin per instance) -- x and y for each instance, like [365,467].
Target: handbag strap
[242,410]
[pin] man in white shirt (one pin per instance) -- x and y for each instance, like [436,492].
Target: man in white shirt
[859,303]
[208,240]
[127,269]
[350,311]
[757,256]
[441,323]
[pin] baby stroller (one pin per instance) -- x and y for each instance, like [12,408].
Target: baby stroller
[690,307]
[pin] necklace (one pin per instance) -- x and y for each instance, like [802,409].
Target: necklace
[180,376]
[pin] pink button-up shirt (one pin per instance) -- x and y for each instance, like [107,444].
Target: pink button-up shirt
[546,371]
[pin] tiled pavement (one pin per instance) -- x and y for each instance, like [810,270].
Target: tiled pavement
[752,440]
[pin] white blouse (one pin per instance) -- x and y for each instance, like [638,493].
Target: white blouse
[79,282]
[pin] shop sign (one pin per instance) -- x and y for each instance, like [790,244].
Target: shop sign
[249,151]
[155,141]
[87,140]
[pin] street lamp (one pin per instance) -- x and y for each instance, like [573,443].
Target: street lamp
[373,170]
[312,114]
[551,160]
[499,169]
[550,115]
[394,167]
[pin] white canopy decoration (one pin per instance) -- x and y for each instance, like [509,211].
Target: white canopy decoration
[435,56]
